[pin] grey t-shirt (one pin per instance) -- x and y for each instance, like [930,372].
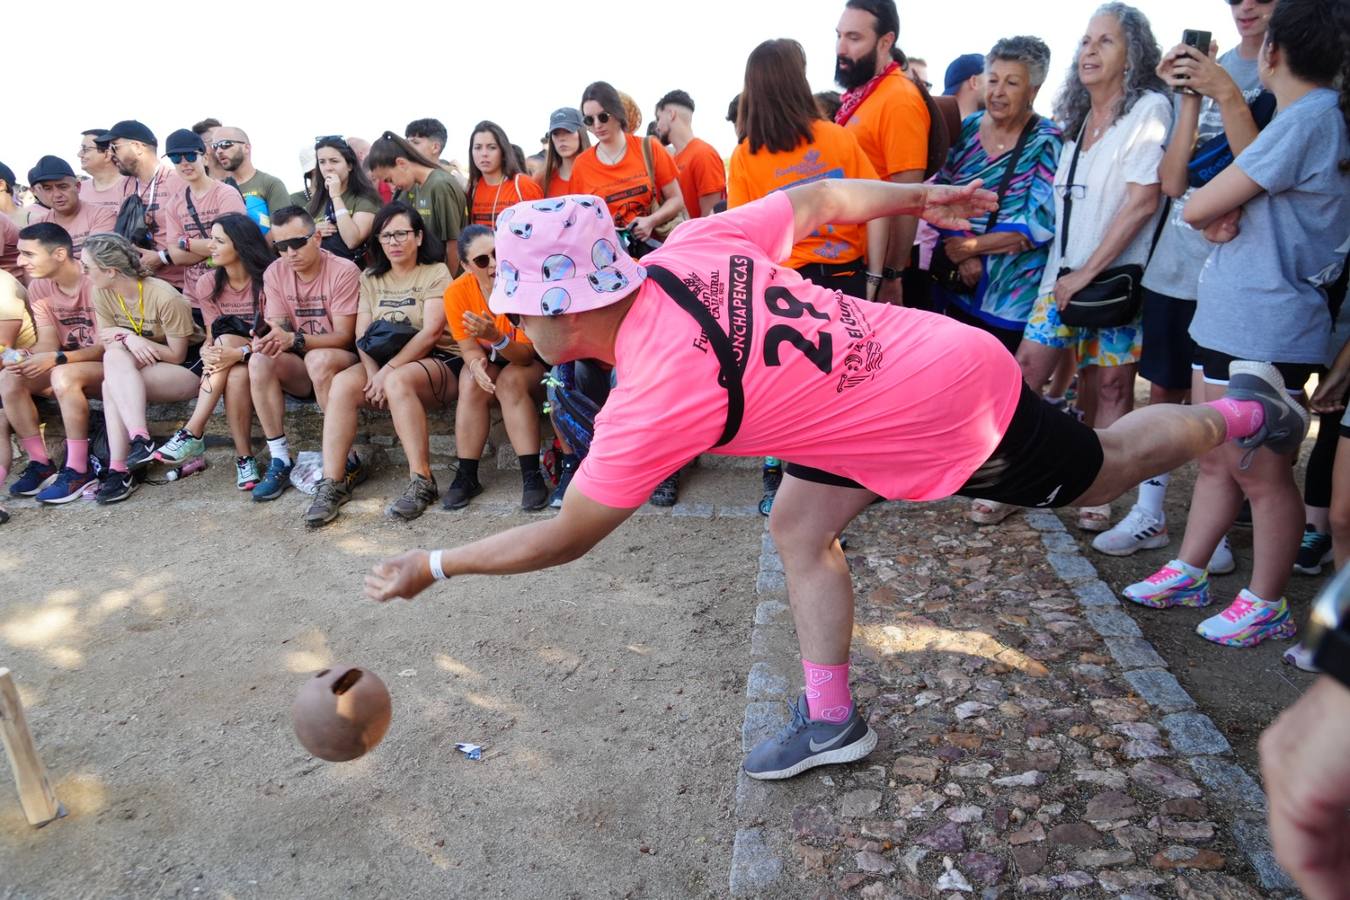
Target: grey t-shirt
[1261,294]
[1175,268]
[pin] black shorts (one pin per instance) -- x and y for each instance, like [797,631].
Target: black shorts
[1045,459]
[848,278]
[1213,365]
[193,361]
[1168,349]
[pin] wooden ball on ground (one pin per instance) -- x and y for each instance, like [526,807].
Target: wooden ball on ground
[341,713]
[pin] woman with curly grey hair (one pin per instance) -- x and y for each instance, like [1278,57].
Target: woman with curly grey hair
[1115,115]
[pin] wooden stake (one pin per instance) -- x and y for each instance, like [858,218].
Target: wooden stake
[35,794]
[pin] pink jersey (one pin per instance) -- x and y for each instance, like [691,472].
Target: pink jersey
[72,317]
[88,219]
[192,220]
[9,248]
[309,306]
[905,402]
[231,302]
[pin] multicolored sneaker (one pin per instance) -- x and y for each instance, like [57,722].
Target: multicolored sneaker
[1248,621]
[246,475]
[1170,586]
[180,448]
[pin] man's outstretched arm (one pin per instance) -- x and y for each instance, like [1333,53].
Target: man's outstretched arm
[850,201]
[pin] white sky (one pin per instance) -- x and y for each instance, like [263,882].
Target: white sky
[330,75]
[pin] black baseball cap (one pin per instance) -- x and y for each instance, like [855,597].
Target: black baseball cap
[7,175]
[50,168]
[184,141]
[128,130]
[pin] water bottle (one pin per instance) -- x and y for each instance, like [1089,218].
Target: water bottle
[12,356]
[191,467]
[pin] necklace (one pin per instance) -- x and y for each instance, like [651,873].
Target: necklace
[608,160]
[140,296]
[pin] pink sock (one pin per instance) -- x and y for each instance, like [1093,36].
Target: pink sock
[1243,417]
[139,433]
[36,449]
[119,465]
[827,695]
[4,473]
[77,454]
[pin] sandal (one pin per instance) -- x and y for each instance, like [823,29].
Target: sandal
[1095,518]
[990,512]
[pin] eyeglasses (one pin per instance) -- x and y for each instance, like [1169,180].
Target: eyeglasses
[176,158]
[224,145]
[482,259]
[1076,191]
[396,237]
[603,118]
[290,244]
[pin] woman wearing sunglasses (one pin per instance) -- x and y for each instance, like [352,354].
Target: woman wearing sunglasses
[231,299]
[566,140]
[497,181]
[190,210]
[407,362]
[425,186]
[615,170]
[344,202]
[500,364]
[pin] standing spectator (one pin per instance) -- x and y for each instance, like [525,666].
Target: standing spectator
[55,185]
[206,130]
[1281,217]
[566,139]
[1217,110]
[703,176]
[136,151]
[429,137]
[403,289]
[965,82]
[189,211]
[106,187]
[1115,118]
[263,194]
[827,104]
[886,113]
[425,186]
[344,202]
[632,113]
[497,180]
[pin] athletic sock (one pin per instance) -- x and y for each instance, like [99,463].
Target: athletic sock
[827,695]
[119,465]
[1188,569]
[280,448]
[1243,418]
[1152,493]
[139,433]
[36,449]
[528,463]
[470,468]
[77,455]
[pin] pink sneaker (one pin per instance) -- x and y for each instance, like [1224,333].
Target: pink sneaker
[1168,587]
[1248,621]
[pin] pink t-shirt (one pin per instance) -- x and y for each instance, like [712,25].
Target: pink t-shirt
[905,402]
[9,248]
[231,302]
[88,219]
[72,317]
[217,200]
[310,306]
[155,194]
[110,197]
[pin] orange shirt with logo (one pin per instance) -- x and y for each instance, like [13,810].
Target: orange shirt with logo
[892,126]
[489,200]
[701,173]
[624,186]
[464,295]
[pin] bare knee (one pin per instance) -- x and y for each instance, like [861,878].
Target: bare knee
[1115,386]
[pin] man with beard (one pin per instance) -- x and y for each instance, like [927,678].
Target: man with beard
[135,149]
[886,113]
[703,175]
[263,194]
[55,184]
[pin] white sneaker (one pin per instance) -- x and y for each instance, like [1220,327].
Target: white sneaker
[1139,530]
[1222,562]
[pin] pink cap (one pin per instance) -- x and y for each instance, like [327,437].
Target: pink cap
[560,255]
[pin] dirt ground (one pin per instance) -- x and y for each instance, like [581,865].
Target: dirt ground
[158,644]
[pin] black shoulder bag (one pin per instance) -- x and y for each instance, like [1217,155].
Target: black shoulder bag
[946,273]
[1113,298]
[384,339]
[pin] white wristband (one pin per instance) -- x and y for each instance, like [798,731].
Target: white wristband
[434,560]
[502,344]
[164,258]
[339,213]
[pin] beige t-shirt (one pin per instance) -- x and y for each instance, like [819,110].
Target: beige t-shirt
[156,313]
[404,300]
[13,308]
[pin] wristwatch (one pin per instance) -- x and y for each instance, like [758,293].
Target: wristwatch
[298,342]
[1328,634]
[184,243]
[61,358]
[244,353]
[891,274]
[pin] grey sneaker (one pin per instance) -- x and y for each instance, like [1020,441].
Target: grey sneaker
[417,496]
[1286,421]
[329,495]
[803,744]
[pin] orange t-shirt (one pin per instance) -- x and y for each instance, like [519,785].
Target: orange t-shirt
[463,295]
[832,152]
[892,126]
[489,200]
[557,186]
[624,186]
[701,173]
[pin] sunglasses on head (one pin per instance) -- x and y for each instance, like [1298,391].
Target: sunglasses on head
[482,259]
[603,118]
[176,158]
[292,243]
[224,145]
[330,139]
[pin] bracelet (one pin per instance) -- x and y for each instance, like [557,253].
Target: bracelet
[339,213]
[164,258]
[502,344]
[874,275]
[434,560]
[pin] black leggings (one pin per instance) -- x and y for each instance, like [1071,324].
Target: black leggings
[1317,480]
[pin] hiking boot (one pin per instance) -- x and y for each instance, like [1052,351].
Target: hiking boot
[1313,553]
[1248,621]
[141,453]
[1286,422]
[246,475]
[534,491]
[35,477]
[180,448]
[1139,530]
[568,469]
[772,477]
[329,495]
[667,491]
[68,486]
[803,744]
[461,491]
[417,496]
[1170,586]
[275,482]
[115,487]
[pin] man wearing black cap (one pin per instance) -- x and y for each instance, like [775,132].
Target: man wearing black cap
[9,225]
[965,82]
[106,186]
[135,150]
[58,190]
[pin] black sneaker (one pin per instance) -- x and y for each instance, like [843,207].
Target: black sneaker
[461,491]
[667,491]
[417,496]
[568,469]
[1314,553]
[115,487]
[329,496]
[534,493]
[141,453]
[803,744]
[772,478]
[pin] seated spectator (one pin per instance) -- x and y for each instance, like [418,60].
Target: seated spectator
[56,186]
[16,333]
[311,304]
[106,187]
[425,186]
[231,299]
[401,293]
[499,364]
[344,202]
[188,210]
[149,354]
[703,176]
[206,130]
[67,364]
[11,207]
[566,139]
[135,149]
[9,228]
[264,194]
[1116,116]
[497,179]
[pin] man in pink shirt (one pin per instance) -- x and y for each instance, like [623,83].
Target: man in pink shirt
[135,150]
[884,401]
[55,184]
[106,187]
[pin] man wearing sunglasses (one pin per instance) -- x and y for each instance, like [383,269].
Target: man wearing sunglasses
[106,186]
[189,213]
[263,194]
[135,150]
[55,185]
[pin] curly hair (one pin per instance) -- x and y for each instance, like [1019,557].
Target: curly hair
[1141,62]
[112,251]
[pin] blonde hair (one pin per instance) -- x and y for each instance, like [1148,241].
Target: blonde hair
[631,111]
[112,251]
